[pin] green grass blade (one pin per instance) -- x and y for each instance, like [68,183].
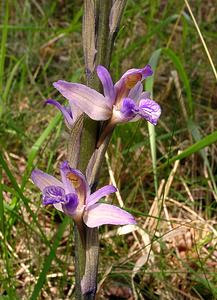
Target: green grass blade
[22,197]
[181,71]
[1,205]
[54,146]
[37,145]
[149,83]
[49,259]
[3,50]
[10,80]
[122,53]
[10,288]
[196,147]
[197,137]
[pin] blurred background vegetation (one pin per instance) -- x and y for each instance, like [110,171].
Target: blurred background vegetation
[172,253]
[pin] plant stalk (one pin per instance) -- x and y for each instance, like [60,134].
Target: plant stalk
[97,45]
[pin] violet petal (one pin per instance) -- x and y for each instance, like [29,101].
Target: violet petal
[86,99]
[128,108]
[126,113]
[75,111]
[71,204]
[100,213]
[107,83]
[146,72]
[58,206]
[53,194]
[136,92]
[42,180]
[100,193]
[149,110]
[74,180]
[145,95]
[68,118]
[130,78]
[64,171]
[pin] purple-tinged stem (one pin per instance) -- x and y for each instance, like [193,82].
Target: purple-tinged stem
[99,30]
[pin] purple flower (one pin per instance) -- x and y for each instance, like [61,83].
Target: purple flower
[72,196]
[66,111]
[123,102]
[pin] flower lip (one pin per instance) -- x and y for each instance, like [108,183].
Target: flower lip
[149,110]
[53,194]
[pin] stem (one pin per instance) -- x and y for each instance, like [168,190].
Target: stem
[97,45]
[89,280]
[103,33]
[79,263]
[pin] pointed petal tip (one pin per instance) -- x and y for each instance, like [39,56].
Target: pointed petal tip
[55,84]
[148,66]
[65,167]
[58,82]
[147,71]
[100,69]
[66,114]
[58,206]
[132,221]
[62,86]
[64,164]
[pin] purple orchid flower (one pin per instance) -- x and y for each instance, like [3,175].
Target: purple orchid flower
[123,102]
[72,196]
[70,113]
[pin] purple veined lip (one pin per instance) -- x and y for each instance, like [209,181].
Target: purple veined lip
[53,194]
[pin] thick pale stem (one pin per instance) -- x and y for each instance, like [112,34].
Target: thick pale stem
[97,44]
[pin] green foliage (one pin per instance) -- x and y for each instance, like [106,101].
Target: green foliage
[41,43]
[48,260]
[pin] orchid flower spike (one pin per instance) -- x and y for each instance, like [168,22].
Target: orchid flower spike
[123,102]
[72,196]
